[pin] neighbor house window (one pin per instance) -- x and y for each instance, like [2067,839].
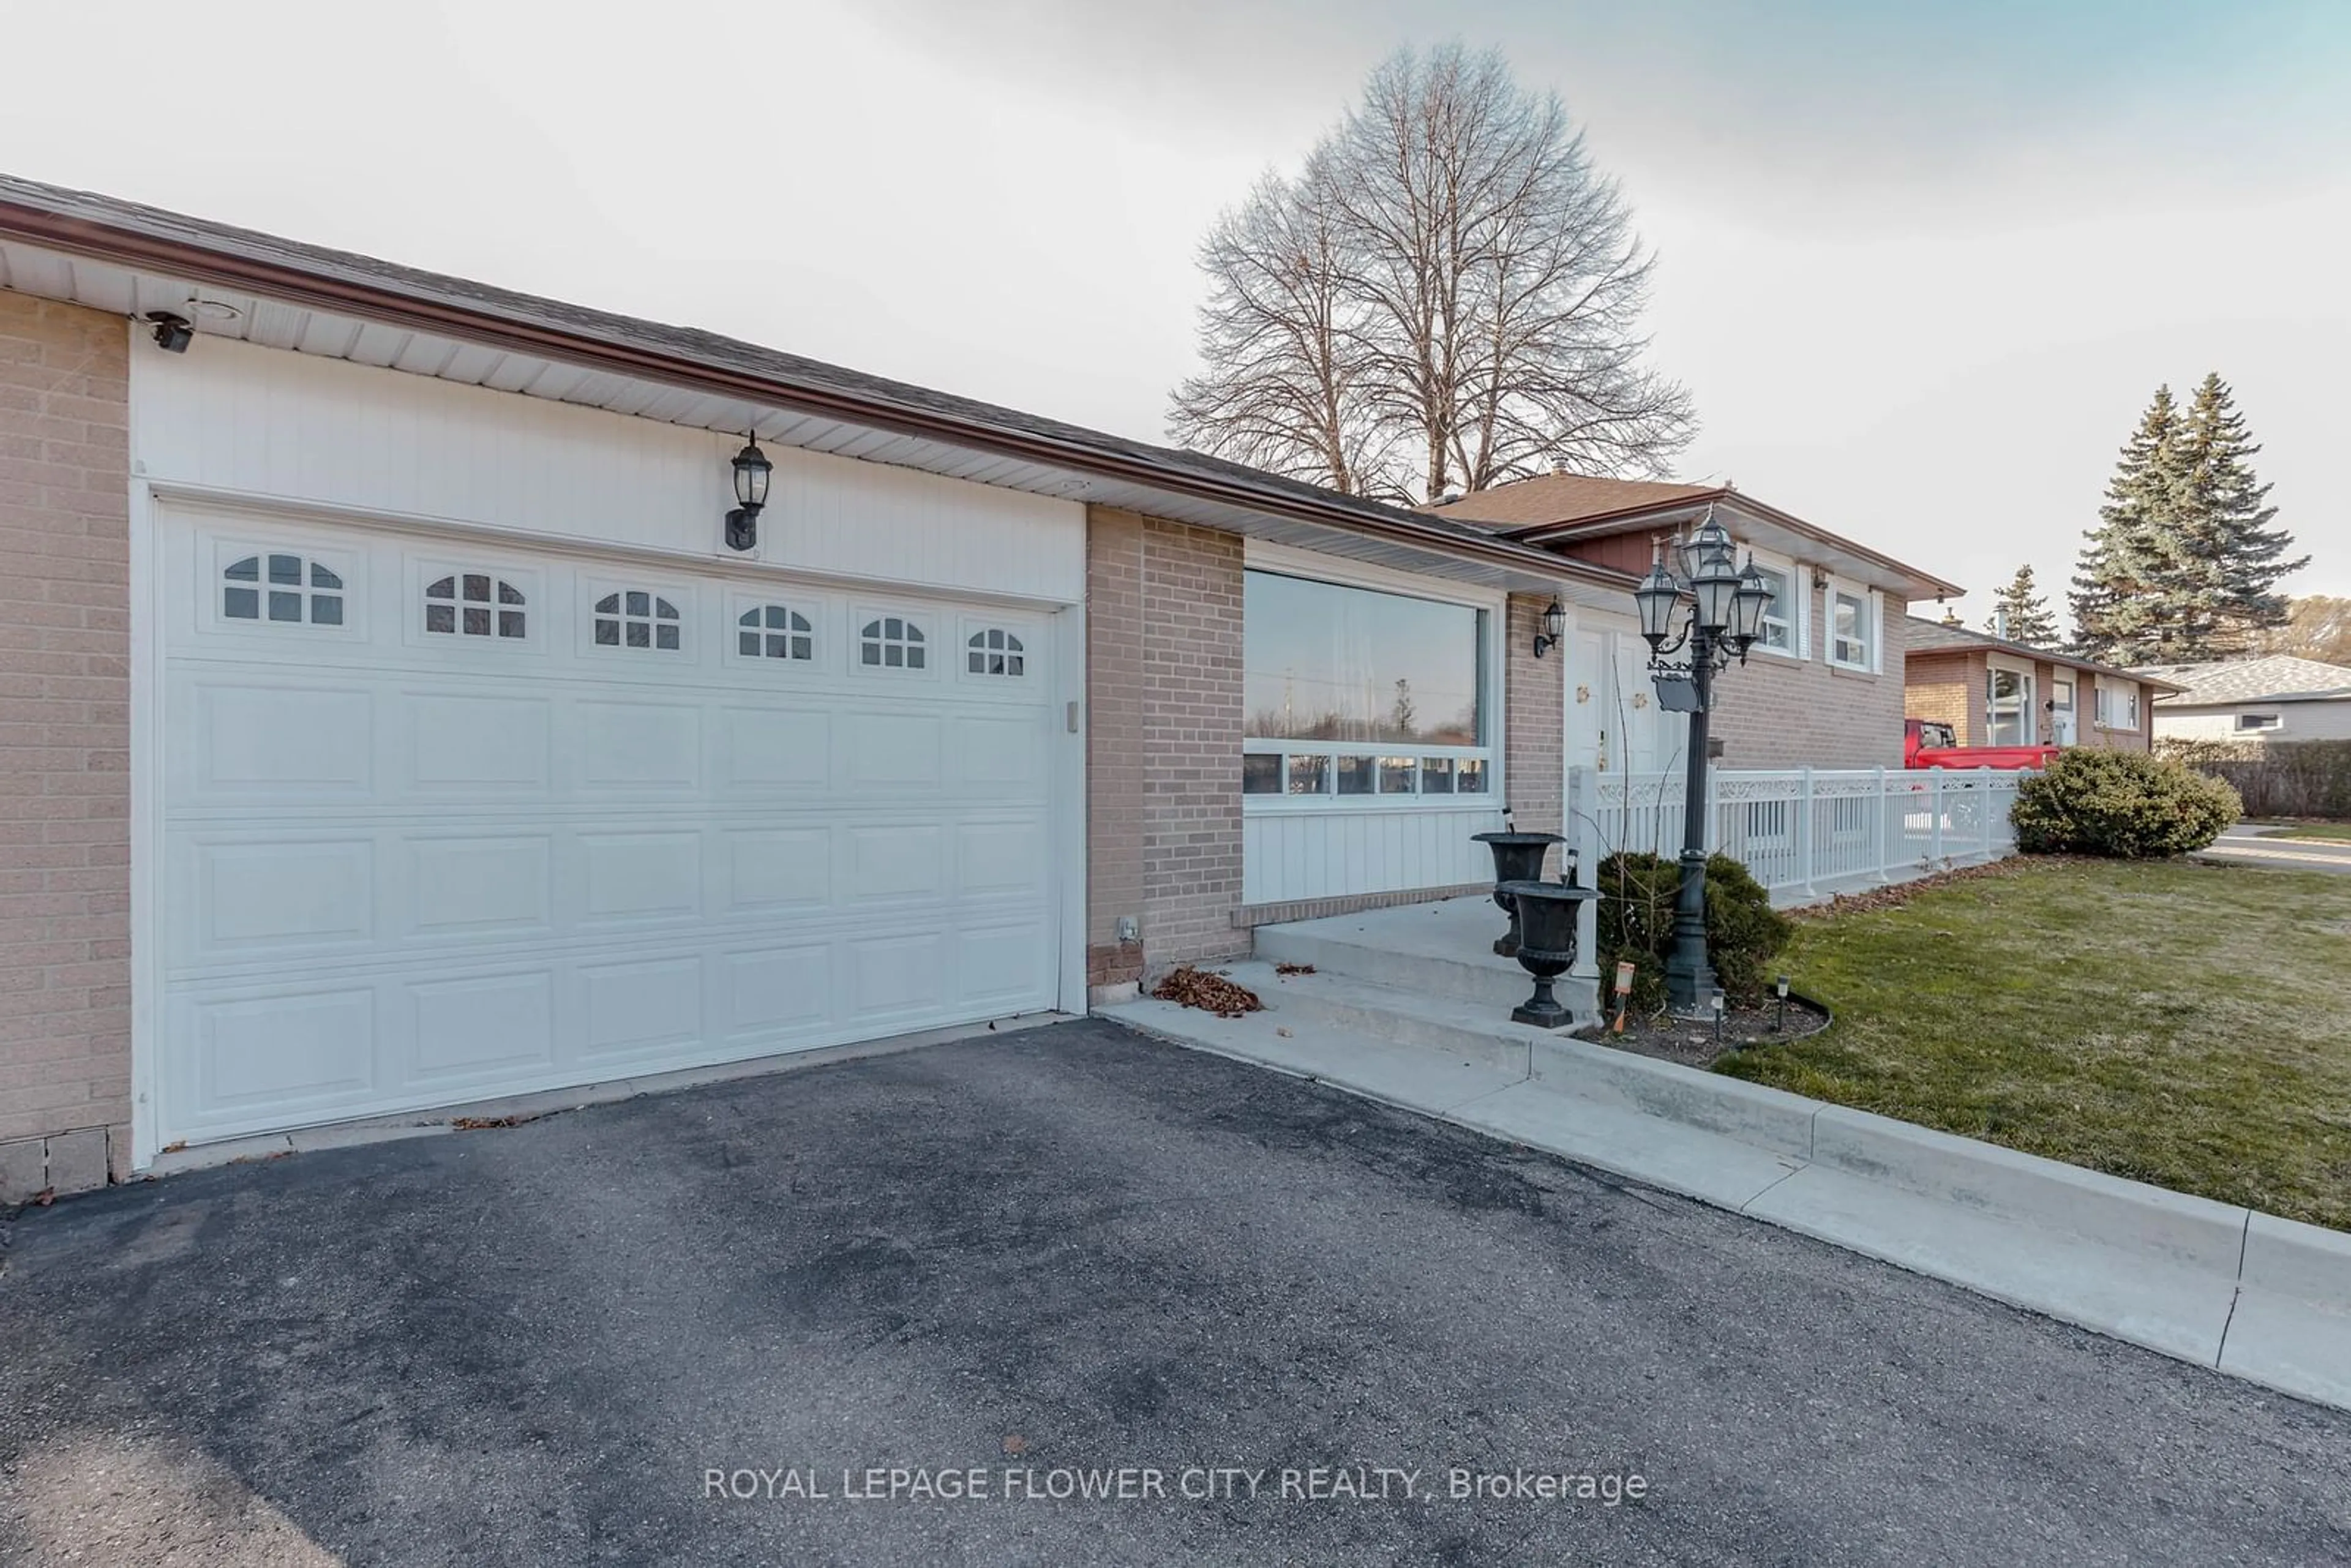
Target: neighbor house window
[2117,703]
[1852,628]
[1359,694]
[2247,722]
[2009,708]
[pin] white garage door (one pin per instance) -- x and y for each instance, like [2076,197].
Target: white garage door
[447,821]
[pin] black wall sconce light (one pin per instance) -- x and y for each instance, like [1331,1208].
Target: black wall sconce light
[172,333]
[1554,627]
[752,471]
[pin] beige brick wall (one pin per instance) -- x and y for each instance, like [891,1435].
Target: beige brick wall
[1164,748]
[1532,699]
[1947,686]
[65,845]
[1783,713]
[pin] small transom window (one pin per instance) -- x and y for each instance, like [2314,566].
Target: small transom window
[281,588]
[472,604]
[775,632]
[995,651]
[892,642]
[636,618]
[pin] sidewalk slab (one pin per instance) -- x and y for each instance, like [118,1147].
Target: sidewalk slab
[2157,1301]
[1687,1160]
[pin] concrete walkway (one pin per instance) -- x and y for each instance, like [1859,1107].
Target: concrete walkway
[2264,1298]
[2245,844]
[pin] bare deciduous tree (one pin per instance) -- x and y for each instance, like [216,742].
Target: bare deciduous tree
[1449,292]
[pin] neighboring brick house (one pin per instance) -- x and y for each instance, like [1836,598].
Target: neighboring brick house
[1823,688]
[391,724]
[1993,691]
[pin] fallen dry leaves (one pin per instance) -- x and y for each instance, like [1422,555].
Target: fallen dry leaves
[1209,993]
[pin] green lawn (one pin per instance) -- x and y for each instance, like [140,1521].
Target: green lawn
[2325,832]
[2178,1023]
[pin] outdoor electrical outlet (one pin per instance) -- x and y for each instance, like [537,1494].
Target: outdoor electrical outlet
[1129,928]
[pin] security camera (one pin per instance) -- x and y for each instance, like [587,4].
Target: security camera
[172,333]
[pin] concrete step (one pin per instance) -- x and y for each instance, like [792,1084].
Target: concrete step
[1438,949]
[1303,1032]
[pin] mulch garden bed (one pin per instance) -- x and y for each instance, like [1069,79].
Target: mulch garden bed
[1696,1045]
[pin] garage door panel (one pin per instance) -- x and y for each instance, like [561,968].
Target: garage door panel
[892,861]
[402,868]
[893,752]
[992,753]
[275,740]
[892,977]
[995,963]
[634,746]
[640,876]
[639,1007]
[480,1027]
[773,870]
[777,989]
[249,896]
[479,885]
[786,748]
[1002,856]
[238,1057]
[478,744]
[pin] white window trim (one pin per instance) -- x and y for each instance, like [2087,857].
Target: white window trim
[2268,721]
[1800,594]
[1873,609]
[1287,561]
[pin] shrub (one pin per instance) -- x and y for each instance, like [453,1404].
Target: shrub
[2274,778]
[1743,932]
[2124,804]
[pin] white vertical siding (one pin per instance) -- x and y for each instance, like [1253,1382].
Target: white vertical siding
[1294,854]
[265,422]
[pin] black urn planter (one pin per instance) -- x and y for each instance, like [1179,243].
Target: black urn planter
[1518,857]
[1546,922]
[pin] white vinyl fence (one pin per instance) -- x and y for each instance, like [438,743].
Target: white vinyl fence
[1805,833]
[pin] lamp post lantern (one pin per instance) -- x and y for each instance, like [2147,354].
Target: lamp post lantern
[1725,610]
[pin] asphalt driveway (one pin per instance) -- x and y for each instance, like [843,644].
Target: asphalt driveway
[2248,844]
[1066,1253]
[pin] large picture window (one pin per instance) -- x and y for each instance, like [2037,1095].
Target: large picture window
[1352,692]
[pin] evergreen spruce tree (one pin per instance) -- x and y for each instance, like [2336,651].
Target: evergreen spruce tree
[2116,617]
[2021,614]
[2230,557]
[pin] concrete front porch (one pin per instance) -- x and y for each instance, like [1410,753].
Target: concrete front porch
[1440,951]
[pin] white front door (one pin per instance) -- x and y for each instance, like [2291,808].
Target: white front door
[448,819]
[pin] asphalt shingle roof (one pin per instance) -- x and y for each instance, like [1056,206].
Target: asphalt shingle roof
[2273,677]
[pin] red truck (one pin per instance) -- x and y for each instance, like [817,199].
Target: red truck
[1925,744]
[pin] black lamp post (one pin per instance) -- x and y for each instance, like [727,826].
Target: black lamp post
[1725,614]
[752,470]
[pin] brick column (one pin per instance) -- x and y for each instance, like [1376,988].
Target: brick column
[65,795]
[1533,722]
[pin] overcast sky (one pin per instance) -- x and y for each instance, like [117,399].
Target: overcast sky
[1922,263]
